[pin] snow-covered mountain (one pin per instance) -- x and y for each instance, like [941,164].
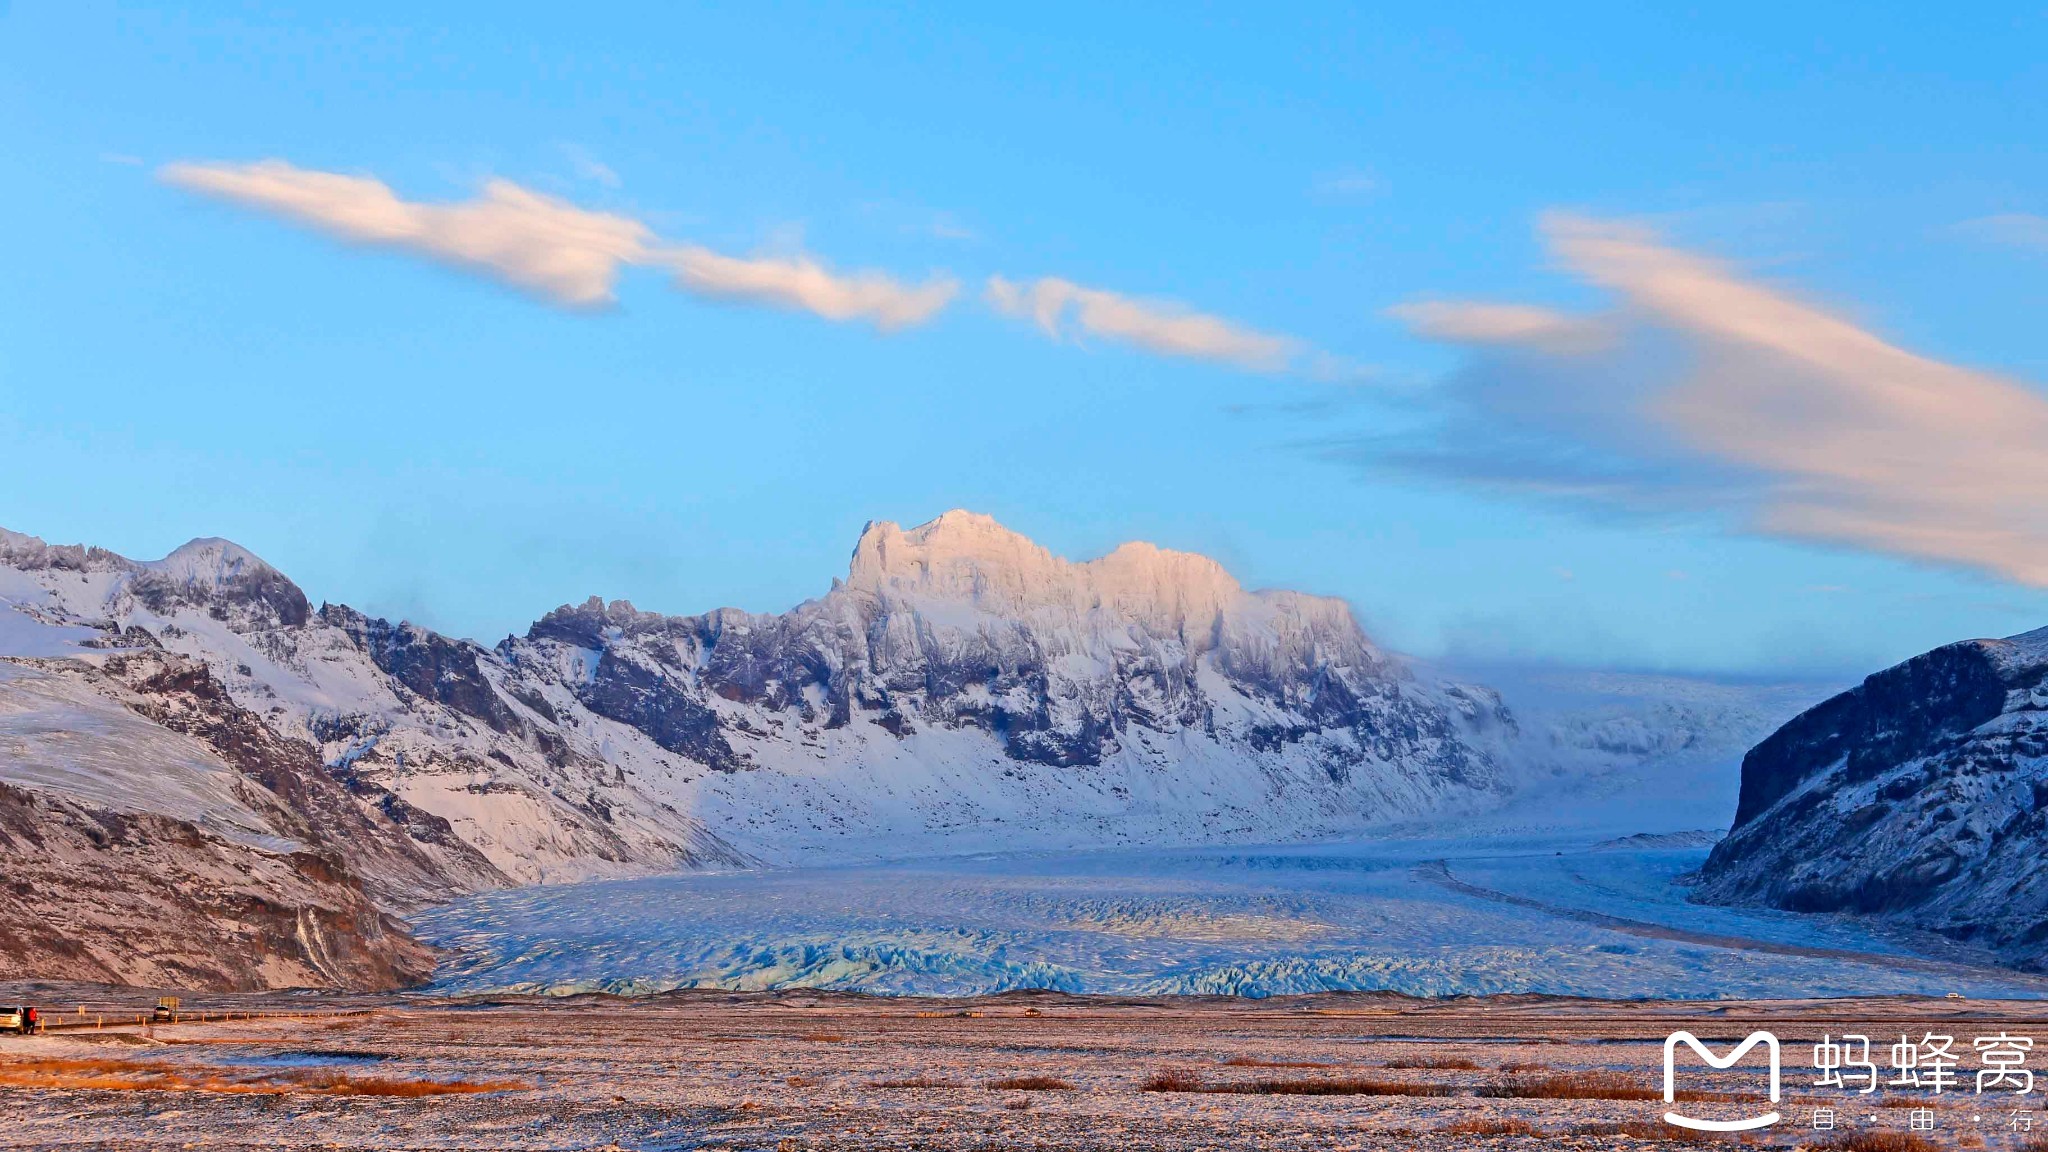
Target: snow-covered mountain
[1921,794]
[961,688]
[1626,752]
[153,832]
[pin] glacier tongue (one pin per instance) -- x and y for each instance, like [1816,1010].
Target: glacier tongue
[1563,918]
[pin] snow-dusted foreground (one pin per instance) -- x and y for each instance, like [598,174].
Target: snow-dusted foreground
[814,1072]
[1563,914]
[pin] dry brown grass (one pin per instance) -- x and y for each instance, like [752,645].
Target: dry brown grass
[824,1038]
[1172,1080]
[1567,1086]
[1641,1130]
[101,1074]
[342,1084]
[1592,1085]
[1255,1062]
[1029,1084]
[1188,1080]
[1881,1142]
[1490,1128]
[1436,1063]
[1337,1086]
[915,1082]
[148,1076]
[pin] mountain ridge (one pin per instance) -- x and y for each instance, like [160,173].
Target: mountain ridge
[959,688]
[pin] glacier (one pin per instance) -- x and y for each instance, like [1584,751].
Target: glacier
[1428,915]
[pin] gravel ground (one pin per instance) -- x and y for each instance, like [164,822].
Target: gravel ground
[799,1072]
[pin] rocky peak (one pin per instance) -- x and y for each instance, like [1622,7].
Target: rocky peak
[227,579]
[594,624]
[209,561]
[30,553]
[960,555]
[968,558]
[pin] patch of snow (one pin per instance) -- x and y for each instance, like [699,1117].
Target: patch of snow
[22,634]
[60,735]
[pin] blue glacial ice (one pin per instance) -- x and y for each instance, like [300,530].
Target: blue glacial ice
[1424,916]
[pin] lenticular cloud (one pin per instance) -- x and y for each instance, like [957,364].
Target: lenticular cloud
[1702,386]
[550,248]
[1059,307]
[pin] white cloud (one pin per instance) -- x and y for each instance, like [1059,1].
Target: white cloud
[1058,306]
[550,247]
[799,282]
[538,243]
[1718,386]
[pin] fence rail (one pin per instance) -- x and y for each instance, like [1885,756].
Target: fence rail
[87,1020]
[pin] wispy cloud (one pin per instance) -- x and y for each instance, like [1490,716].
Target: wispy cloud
[549,247]
[1715,392]
[589,167]
[535,242]
[1478,322]
[802,283]
[1063,309]
[2016,229]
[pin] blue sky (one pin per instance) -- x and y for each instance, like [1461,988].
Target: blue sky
[1582,333]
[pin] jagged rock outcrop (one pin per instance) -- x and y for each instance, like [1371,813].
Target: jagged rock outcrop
[430,665]
[963,625]
[1921,794]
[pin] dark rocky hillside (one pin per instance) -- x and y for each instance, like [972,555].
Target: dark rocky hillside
[1920,795]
